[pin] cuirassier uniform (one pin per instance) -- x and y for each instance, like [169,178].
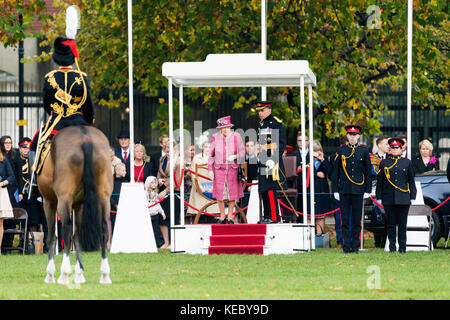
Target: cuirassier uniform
[272,141]
[396,188]
[351,178]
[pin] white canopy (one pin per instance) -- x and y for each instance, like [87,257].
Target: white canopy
[239,70]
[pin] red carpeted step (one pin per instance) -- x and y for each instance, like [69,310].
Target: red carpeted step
[235,229]
[236,250]
[233,240]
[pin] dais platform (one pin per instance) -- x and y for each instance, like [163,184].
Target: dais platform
[262,239]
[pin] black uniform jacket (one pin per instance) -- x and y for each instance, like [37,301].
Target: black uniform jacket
[72,113]
[402,176]
[358,169]
[272,133]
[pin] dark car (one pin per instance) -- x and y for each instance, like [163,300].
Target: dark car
[435,189]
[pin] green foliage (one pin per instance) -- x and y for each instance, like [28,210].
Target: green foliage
[11,30]
[350,55]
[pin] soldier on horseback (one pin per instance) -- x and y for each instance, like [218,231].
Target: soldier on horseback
[67,96]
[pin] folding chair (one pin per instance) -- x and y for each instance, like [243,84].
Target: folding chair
[20,219]
[210,200]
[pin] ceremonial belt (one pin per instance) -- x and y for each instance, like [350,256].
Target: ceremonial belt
[388,175]
[344,164]
[269,146]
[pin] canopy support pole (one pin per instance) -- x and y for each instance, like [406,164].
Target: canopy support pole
[171,166]
[182,152]
[311,166]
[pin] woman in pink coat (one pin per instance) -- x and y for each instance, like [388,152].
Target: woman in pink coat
[226,153]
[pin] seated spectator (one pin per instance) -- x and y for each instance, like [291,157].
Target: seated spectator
[425,162]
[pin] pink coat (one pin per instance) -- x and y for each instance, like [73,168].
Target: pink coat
[224,170]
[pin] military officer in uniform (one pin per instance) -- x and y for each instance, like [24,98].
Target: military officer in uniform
[28,202]
[272,142]
[67,95]
[396,188]
[351,184]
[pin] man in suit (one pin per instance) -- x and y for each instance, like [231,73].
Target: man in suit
[156,157]
[352,183]
[272,142]
[123,150]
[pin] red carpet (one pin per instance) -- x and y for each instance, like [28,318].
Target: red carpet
[237,239]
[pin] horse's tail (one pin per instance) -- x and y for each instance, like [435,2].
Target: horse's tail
[90,223]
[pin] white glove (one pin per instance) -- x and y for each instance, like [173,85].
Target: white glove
[232,158]
[270,164]
[211,175]
[379,201]
[366,195]
[336,196]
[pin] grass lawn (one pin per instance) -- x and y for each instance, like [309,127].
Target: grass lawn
[323,274]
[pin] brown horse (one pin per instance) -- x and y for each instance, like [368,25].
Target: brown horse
[77,175]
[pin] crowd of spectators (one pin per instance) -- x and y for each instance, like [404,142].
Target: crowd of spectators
[153,172]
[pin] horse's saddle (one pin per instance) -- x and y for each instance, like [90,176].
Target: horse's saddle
[43,153]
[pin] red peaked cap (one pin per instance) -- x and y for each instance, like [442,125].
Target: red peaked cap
[353,128]
[73,46]
[396,142]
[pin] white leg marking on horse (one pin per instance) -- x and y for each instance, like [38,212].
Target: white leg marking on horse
[105,271]
[51,269]
[65,270]
[79,276]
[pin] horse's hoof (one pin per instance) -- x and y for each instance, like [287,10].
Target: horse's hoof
[63,279]
[79,278]
[49,279]
[105,279]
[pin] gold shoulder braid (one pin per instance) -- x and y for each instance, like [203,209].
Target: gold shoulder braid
[388,176]
[344,165]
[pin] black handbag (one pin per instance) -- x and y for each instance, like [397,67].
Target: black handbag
[241,174]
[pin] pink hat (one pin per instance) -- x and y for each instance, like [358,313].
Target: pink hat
[224,122]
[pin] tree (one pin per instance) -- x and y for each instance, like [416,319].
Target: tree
[12,30]
[354,47]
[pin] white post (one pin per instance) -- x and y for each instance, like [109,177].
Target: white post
[181,154]
[305,206]
[409,79]
[302,117]
[311,166]
[263,41]
[130,87]
[171,166]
